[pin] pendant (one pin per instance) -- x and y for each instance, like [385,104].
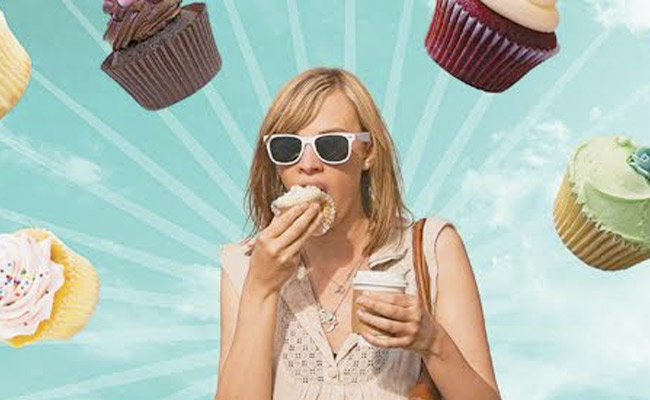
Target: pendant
[328,320]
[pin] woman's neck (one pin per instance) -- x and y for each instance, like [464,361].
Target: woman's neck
[344,243]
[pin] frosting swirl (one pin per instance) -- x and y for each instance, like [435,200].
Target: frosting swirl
[137,20]
[538,15]
[28,281]
[610,192]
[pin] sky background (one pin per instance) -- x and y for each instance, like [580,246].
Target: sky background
[150,196]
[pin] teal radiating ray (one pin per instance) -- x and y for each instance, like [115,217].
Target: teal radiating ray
[200,390]
[424,129]
[85,23]
[231,127]
[187,196]
[156,263]
[459,200]
[157,222]
[259,84]
[139,374]
[296,36]
[621,110]
[129,336]
[350,56]
[155,300]
[394,81]
[220,177]
[445,166]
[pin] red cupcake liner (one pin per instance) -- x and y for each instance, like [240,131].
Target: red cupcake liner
[483,49]
[171,65]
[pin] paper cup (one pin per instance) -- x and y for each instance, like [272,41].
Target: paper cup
[374,281]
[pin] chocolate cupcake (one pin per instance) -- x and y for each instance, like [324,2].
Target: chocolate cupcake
[162,52]
[492,44]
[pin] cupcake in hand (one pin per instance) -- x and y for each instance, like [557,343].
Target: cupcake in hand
[602,210]
[47,291]
[492,44]
[162,52]
[307,194]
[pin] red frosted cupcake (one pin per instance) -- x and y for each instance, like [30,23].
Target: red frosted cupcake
[491,44]
[162,52]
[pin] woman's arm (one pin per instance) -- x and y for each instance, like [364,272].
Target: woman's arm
[246,342]
[459,358]
[246,365]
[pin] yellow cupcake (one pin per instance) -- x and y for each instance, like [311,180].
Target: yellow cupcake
[15,68]
[74,299]
[602,209]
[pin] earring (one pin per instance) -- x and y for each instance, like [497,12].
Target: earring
[366,166]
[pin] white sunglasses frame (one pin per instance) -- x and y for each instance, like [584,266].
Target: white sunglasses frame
[310,140]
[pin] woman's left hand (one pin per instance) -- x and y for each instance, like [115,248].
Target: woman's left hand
[401,316]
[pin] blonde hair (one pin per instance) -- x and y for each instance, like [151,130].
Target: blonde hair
[293,108]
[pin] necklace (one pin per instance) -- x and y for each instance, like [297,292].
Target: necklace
[328,319]
[341,287]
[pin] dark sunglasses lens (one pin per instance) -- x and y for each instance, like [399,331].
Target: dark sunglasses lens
[285,149]
[332,148]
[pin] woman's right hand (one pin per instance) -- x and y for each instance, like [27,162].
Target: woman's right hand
[276,251]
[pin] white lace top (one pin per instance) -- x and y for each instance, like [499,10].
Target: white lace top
[305,367]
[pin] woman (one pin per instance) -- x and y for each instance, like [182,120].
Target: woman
[273,343]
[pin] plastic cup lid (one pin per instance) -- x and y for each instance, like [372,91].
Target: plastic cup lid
[380,278]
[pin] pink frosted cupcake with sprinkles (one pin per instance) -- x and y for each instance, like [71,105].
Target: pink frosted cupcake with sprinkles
[492,44]
[47,291]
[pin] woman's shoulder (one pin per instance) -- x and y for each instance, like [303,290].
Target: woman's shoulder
[235,259]
[440,233]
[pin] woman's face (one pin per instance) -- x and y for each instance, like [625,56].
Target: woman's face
[341,182]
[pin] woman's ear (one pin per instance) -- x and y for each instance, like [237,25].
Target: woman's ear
[369,157]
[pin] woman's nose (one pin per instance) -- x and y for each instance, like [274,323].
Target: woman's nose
[309,161]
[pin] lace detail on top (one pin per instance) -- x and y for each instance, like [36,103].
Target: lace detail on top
[303,360]
[364,363]
[299,353]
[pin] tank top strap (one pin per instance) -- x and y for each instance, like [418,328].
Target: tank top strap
[235,263]
[431,231]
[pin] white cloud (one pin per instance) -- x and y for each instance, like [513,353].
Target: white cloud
[82,171]
[500,193]
[595,114]
[634,14]
[558,329]
[75,168]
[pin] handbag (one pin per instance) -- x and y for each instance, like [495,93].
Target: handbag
[424,388]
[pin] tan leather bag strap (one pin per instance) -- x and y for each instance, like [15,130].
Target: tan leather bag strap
[425,388]
[420,266]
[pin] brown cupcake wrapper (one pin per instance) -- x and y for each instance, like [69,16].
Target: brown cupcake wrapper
[587,240]
[171,70]
[476,54]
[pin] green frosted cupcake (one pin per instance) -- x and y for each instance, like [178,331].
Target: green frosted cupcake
[602,211]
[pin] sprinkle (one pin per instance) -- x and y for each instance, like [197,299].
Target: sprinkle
[40,275]
[24,323]
[23,272]
[47,292]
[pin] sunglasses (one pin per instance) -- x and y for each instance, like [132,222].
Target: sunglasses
[331,148]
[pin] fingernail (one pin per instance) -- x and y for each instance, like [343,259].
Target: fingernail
[361,300]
